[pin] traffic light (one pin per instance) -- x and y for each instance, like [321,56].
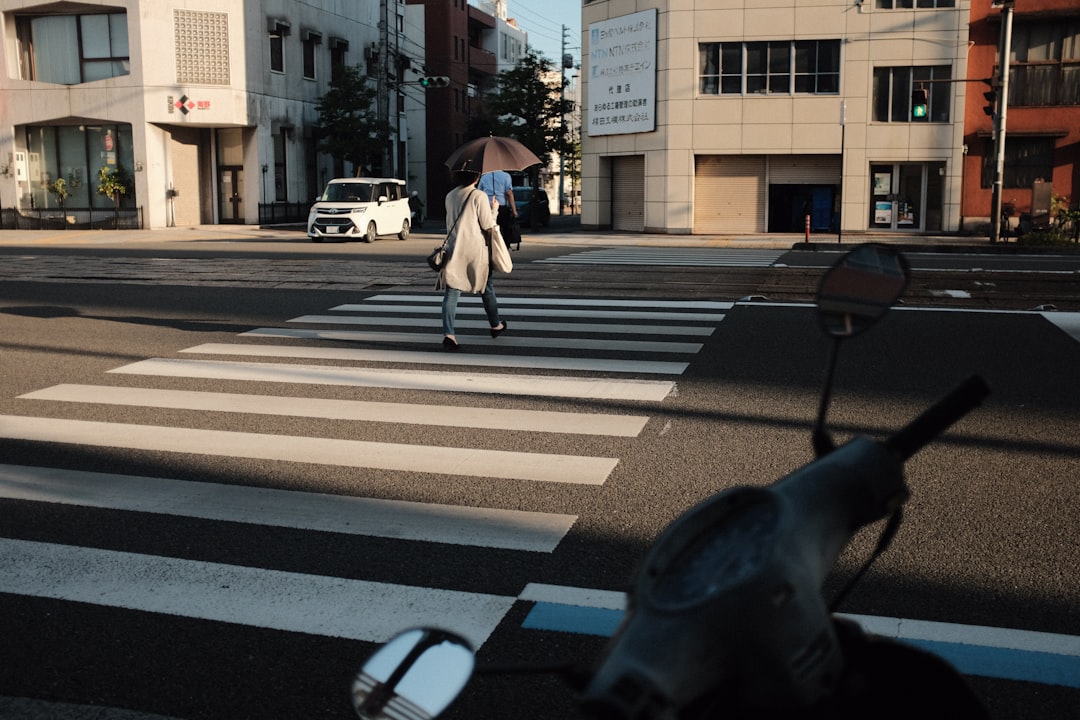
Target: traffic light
[435,81]
[918,104]
[991,102]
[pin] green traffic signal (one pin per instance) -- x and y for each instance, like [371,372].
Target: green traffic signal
[918,104]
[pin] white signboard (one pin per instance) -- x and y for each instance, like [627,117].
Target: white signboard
[622,75]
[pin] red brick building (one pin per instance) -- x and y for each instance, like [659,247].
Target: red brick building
[1043,114]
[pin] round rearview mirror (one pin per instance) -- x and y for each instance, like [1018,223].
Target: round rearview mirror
[415,675]
[860,287]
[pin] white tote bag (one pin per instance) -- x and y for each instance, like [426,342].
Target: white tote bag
[500,254]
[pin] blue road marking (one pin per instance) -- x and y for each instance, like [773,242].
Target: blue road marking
[985,661]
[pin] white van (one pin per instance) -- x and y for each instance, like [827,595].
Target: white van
[364,207]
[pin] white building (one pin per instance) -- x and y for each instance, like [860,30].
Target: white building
[206,106]
[740,116]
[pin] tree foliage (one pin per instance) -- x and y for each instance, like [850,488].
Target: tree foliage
[349,127]
[527,105]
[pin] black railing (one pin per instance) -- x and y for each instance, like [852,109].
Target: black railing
[72,218]
[283,213]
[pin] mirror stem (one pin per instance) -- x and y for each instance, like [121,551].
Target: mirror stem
[823,443]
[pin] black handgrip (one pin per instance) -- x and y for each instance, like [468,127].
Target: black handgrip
[939,416]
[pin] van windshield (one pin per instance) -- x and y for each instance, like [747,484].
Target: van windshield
[350,192]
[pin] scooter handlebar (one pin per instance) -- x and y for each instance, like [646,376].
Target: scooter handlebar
[938,417]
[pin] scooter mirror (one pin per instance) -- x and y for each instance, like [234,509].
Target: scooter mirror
[415,675]
[859,289]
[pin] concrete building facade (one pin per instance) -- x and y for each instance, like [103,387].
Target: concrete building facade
[740,116]
[205,107]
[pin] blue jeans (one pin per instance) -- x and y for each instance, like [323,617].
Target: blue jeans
[450,302]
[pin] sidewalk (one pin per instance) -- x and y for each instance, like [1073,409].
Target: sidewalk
[564,230]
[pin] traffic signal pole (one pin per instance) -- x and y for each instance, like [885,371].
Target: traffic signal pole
[1004,49]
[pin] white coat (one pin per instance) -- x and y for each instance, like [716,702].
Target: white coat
[467,262]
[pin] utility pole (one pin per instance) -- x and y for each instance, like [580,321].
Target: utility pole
[1004,50]
[382,82]
[562,112]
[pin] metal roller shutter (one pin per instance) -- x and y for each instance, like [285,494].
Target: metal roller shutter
[628,193]
[804,170]
[729,194]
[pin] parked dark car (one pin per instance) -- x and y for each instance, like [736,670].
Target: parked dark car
[523,198]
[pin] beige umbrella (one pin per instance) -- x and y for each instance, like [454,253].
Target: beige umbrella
[487,154]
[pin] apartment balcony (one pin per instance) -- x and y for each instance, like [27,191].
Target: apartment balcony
[481,61]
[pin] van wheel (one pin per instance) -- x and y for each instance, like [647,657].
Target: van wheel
[370,235]
[404,234]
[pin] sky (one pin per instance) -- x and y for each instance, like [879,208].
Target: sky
[543,20]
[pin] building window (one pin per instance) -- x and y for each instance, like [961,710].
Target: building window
[338,48]
[73,49]
[910,4]
[280,191]
[780,67]
[77,153]
[892,92]
[1044,68]
[310,43]
[277,51]
[1027,159]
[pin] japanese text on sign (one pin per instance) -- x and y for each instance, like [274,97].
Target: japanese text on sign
[622,75]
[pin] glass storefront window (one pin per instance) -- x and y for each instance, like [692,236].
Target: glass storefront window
[77,153]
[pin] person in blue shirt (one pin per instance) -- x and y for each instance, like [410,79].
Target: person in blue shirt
[500,191]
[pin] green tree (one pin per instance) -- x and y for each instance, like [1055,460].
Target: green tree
[527,105]
[349,127]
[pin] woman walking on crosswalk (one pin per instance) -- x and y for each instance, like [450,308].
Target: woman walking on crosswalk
[467,267]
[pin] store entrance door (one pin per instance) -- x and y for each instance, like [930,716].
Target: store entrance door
[231,187]
[897,196]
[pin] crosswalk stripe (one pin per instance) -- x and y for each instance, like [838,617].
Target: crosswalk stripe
[255,597]
[505,341]
[354,410]
[708,257]
[576,302]
[651,367]
[345,514]
[470,309]
[494,383]
[503,464]
[1068,322]
[590,328]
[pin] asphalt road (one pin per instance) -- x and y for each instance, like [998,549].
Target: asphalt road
[987,539]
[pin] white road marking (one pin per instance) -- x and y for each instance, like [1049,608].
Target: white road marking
[256,597]
[503,342]
[539,467]
[649,367]
[629,316]
[493,383]
[1068,322]
[353,410]
[563,302]
[346,514]
[590,328]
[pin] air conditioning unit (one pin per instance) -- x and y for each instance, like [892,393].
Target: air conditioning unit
[372,51]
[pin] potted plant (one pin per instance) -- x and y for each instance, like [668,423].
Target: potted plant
[112,183]
[59,189]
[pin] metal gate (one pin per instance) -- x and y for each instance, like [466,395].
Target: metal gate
[628,193]
[729,194]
